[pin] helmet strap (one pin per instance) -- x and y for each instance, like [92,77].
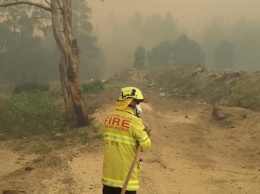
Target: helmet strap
[134,107]
[136,113]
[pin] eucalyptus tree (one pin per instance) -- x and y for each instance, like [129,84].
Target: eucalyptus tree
[23,56]
[161,54]
[60,12]
[187,51]
[90,54]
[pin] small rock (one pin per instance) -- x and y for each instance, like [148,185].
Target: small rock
[162,94]
[151,85]
[187,117]
[59,135]
[28,168]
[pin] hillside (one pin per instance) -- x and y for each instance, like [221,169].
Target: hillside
[195,82]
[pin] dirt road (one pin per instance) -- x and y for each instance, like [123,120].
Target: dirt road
[192,152]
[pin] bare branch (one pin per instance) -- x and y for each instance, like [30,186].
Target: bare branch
[48,2]
[25,3]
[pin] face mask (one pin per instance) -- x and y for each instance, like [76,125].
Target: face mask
[138,109]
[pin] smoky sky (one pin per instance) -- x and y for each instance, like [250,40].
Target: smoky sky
[189,13]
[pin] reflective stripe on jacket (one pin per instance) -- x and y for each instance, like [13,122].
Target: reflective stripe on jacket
[122,132]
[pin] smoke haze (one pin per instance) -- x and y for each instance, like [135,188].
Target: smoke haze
[193,17]
[189,13]
[225,33]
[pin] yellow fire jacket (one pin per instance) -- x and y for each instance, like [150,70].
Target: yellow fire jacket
[122,132]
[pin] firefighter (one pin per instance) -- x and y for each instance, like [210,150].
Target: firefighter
[123,130]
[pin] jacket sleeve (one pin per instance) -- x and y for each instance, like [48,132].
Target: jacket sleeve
[140,134]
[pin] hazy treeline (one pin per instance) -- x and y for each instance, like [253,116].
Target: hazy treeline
[233,45]
[120,39]
[28,50]
[225,45]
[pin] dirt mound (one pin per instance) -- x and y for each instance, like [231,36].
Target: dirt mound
[194,82]
[242,129]
[229,115]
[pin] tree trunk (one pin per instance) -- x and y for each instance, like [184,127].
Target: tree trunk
[69,64]
[70,116]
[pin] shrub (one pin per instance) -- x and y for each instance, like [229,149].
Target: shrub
[32,87]
[92,86]
[30,114]
[246,94]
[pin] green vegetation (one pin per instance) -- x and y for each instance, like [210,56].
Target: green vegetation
[91,87]
[187,51]
[43,144]
[182,52]
[247,94]
[28,114]
[32,87]
[161,54]
[34,122]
